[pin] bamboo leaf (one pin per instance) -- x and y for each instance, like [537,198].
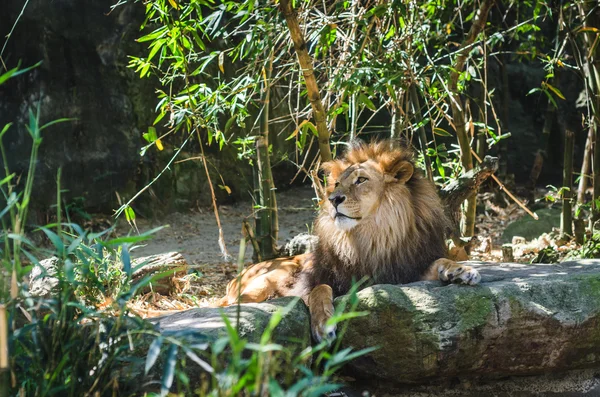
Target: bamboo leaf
[159,144]
[169,371]
[55,239]
[150,136]
[555,90]
[441,132]
[55,122]
[362,98]
[126,259]
[153,352]
[194,357]
[221,61]
[174,4]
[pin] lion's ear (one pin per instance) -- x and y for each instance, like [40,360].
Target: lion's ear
[401,171]
[327,167]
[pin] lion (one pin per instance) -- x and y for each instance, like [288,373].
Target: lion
[381,220]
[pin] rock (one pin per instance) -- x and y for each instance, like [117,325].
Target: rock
[522,320]
[529,228]
[301,244]
[206,324]
[153,265]
[42,279]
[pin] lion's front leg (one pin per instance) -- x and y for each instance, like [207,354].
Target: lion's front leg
[449,271]
[320,304]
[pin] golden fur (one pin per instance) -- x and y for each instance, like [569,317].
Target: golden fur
[381,220]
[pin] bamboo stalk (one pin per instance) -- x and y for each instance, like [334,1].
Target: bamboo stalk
[263,229]
[266,228]
[502,150]
[416,107]
[312,87]
[566,219]
[585,167]
[4,369]
[458,114]
[592,77]
[249,234]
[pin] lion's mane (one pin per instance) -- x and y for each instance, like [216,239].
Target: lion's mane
[395,246]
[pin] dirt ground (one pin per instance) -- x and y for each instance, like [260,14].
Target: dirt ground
[195,236]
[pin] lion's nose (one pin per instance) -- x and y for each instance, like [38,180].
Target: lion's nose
[336,200]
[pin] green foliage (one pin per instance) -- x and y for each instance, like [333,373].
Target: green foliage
[81,339]
[210,60]
[547,255]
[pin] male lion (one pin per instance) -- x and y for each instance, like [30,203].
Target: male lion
[382,220]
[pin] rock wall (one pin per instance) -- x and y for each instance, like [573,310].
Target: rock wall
[83,76]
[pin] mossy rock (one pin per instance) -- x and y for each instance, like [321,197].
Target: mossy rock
[521,320]
[530,228]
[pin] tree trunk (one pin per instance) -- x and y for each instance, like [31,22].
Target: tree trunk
[312,88]
[464,187]
[566,219]
[456,105]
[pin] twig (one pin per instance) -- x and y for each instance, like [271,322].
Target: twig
[222,245]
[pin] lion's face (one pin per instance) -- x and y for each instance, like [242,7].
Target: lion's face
[354,191]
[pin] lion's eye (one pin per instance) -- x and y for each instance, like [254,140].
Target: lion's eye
[361,180]
[337,184]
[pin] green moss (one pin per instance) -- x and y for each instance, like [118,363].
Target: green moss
[589,288]
[474,309]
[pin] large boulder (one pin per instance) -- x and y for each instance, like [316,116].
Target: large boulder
[521,320]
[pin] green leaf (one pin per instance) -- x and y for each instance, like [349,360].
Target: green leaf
[441,132]
[150,136]
[555,90]
[194,357]
[169,370]
[126,259]
[129,214]
[6,127]
[156,46]
[362,98]
[55,122]
[153,353]
[229,123]
[4,77]
[56,241]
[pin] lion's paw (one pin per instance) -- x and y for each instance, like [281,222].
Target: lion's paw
[460,275]
[321,332]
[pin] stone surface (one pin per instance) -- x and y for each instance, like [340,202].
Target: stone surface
[42,279]
[206,324]
[522,319]
[529,228]
[300,244]
[154,265]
